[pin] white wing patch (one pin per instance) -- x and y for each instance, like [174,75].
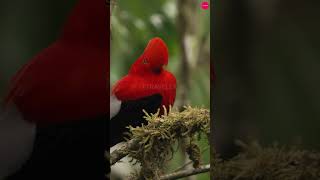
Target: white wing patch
[16,141]
[115,105]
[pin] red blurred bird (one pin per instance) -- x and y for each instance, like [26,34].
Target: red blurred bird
[147,86]
[57,105]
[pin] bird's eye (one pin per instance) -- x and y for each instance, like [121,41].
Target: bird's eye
[144,61]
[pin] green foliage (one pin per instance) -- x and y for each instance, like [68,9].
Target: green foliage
[270,163]
[158,138]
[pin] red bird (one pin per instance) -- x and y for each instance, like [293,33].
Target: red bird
[60,103]
[147,86]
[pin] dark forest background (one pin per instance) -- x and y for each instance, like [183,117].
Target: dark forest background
[267,62]
[27,27]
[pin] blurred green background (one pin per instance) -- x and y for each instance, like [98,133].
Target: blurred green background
[185,28]
[267,58]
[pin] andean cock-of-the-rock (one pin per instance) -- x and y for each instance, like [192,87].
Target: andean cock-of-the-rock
[53,123]
[147,86]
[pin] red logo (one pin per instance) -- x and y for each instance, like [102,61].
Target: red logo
[205,5]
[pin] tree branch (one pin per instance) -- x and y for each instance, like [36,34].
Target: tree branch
[186,173]
[123,151]
[152,145]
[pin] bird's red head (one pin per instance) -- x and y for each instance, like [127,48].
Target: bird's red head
[154,57]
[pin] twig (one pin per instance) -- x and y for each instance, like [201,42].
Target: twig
[183,166]
[121,152]
[186,173]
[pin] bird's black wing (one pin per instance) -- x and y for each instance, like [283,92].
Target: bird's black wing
[74,150]
[131,114]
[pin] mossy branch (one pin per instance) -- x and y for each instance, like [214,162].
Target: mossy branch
[275,162]
[152,145]
[123,151]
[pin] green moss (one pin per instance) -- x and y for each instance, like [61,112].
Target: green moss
[269,163]
[157,139]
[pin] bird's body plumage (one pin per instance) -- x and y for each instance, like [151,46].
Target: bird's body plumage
[68,80]
[63,93]
[133,87]
[67,151]
[54,84]
[130,113]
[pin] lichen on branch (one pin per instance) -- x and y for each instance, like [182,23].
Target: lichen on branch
[155,141]
[275,162]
